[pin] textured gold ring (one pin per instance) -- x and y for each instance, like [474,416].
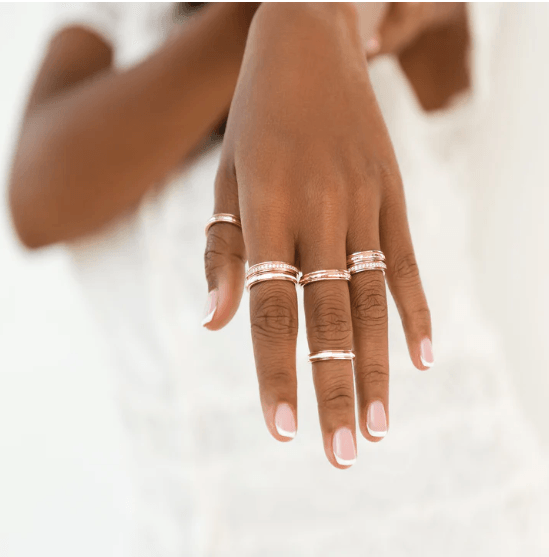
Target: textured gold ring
[272,266]
[331,355]
[271,270]
[222,217]
[371,266]
[270,276]
[328,274]
[365,256]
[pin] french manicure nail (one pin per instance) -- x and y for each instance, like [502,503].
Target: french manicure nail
[285,420]
[376,420]
[344,446]
[211,306]
[426,353]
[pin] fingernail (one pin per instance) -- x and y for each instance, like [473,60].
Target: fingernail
[344,446]
[285,420]
[376,420]
[426,353]
[211,306]
[373,45]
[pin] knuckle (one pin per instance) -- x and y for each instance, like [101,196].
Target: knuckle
[337,396]
[374,374]
[274,314]
[369,305]
[389,172]
[276,378]
[219,252]
[330,319]
[404,267]
[418,317]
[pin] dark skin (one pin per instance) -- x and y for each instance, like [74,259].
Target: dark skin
[94,139]
[431,42]
[76,77]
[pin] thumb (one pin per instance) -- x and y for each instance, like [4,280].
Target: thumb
[224,258]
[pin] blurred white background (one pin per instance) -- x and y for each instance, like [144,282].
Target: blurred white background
[63,487]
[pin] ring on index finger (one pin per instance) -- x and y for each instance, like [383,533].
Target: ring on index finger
[271,270]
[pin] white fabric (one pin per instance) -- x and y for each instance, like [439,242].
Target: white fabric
[460,472]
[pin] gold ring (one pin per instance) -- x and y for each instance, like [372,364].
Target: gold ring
[271,270]
[329,274]
[222,217]
[370,260]
[271,266]
[270,276]
[365,256]
[331,355]
[371,266]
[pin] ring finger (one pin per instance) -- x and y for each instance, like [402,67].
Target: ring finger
[370,339]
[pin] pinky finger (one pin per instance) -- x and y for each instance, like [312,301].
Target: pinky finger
[405,283]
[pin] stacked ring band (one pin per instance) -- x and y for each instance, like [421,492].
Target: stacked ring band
[331,355]
[370,260]
[362,256]
[329,274]
[222,217]
[271,270]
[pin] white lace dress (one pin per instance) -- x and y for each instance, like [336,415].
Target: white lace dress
[460,471]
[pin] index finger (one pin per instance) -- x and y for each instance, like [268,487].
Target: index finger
[274,324]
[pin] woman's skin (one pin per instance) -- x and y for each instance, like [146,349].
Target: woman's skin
[431,43]
[309,195]
[95,139]
[306,162]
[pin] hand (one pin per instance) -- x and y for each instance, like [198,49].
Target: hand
[431,42]
[404,22]
[308,165]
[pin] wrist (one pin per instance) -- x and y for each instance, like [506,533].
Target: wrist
[295,13]
[286,28]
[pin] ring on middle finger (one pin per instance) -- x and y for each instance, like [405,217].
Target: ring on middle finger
[328,274]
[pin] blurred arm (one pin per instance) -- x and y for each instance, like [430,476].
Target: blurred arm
[94,139]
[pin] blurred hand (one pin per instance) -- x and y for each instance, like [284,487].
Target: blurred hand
[405,22]
[308,165]
[431,41]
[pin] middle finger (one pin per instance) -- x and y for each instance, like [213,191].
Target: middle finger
[329,327]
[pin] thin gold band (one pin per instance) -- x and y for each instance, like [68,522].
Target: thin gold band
[331,355]
[270,266]
[369,266]
[222,217]
[364,256]
[327,274]
[279,275]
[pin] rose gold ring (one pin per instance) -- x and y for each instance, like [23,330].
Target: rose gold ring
[367,266]
[280,275]
[222,217]
[271,270]
[331,355]
[329,274]
[271,266]
[365,256]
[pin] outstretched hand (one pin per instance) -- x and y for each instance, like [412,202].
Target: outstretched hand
[308,166]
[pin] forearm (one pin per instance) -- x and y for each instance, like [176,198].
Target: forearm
[92,151]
